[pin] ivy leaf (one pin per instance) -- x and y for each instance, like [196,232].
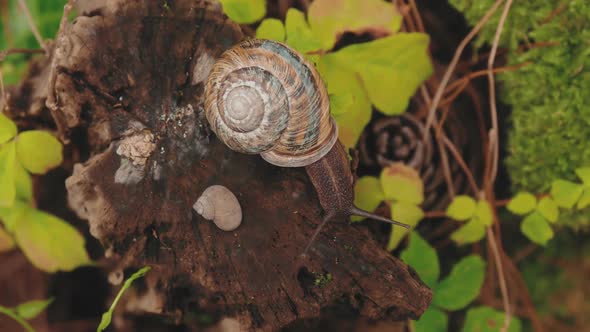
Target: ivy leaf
[536,228]
[486,319]
[422,258]
[7,163]
[391,68]
[244,11]
[523,203]
[38,151]
[483,212]
[402,183]
[6,241]
[566,193]
[407,213]
[349,104]
[107,316]
[462,285]
[584,199]
[548,209]
[432,320]
[376,16]
[50,243]
[271,28]
[367,194]
[299,35]
[471,232]
[7,129]
[584,174]
[31,309]
[461,208]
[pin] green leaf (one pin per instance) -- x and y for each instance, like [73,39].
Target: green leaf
[330,19]
[6,241]
[483,213]
[584,199]
[106,317]
[50,243]
[38,151]
[422,258]
[402,183]
[407,213]
[23,182]
[471,232]
[349,103]
[536,228]
[244,11]
[523,203]
[367,195]
[391,68]
[299,35]
[31,309]
[486,319]
[548,209]
[7,184]
[461,208]
[11,215]
[462,285]
[432,320]
[566,193]
[271,28]
[10,313]
[7,129]
[584,174]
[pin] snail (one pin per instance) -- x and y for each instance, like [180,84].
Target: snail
[219,204]
[262,97]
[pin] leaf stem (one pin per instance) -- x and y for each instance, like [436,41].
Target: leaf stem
[10,313]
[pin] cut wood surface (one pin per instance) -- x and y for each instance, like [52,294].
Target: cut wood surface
[129,91]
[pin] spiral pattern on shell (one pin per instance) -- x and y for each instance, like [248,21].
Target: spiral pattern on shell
[263,97]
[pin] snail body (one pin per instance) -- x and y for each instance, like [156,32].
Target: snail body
[262,97]
[219,204]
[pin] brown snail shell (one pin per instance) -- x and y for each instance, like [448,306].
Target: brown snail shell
[219,204]
[263,97]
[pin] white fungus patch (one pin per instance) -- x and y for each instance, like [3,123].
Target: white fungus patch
[137,148]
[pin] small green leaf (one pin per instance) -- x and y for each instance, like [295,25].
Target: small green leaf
[486,319]
[422,258]
[584,199]
[7,184]
[106,317]
[471,232]
[50,243]
[407,213]
[244,11]
[432,320]
[548,209]
[566,193]
[461,208]
[11,215]
[271,28]
[523,203]
[31,309]
[483,212]
[7,129]
[536,228]
[402,183]
[38,151]
[23,182]
[462,285]
[299,35]
[584,174]
[6,241]
[367,195]
[332,18]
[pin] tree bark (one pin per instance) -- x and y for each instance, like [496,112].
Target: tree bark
[128,83]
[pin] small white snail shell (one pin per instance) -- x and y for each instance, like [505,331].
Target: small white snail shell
[219,204]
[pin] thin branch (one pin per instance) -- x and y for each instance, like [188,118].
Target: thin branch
[494,143]
[447,76]
[25,9]
[503,289]
[461,163]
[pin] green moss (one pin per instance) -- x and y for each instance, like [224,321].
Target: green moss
[550,97]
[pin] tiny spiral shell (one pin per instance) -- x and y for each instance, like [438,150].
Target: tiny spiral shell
[264,98]
[219,204]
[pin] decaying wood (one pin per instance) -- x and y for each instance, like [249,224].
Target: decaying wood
[129,87]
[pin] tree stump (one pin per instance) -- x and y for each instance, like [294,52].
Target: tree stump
[128,85]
